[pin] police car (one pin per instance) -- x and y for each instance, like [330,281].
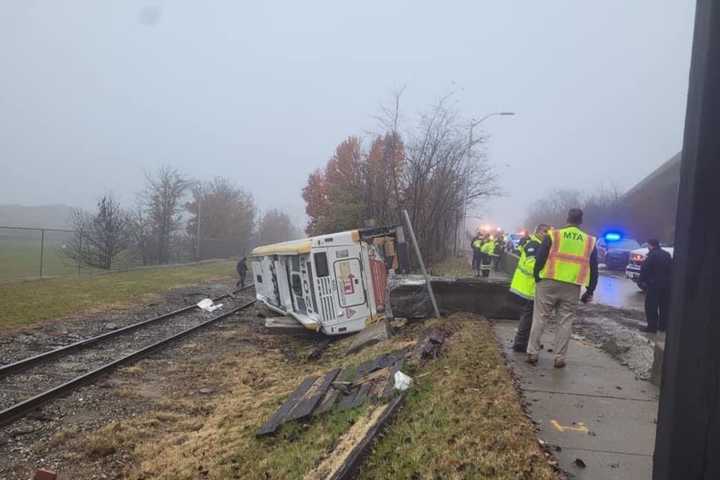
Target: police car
[637,257]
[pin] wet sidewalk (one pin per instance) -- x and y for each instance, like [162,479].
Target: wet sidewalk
[595,411]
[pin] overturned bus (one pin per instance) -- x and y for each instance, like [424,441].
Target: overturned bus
[333,283]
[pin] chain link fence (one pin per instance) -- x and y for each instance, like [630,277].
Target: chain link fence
[34,252]
[43,252]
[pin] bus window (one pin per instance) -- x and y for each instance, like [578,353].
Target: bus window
[321,264]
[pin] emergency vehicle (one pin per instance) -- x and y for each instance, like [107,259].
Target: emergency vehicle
[335,283]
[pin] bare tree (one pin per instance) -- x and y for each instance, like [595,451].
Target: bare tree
[99,237]
[142,242]
[162,198]
[446,170]
[600,208]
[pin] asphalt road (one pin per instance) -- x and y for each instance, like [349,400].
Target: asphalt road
[617,291]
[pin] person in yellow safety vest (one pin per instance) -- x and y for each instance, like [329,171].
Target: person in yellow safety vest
[565,262]
[488,251]
[523,285]
[476,246]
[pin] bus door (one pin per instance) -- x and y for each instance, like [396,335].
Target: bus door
[349,279]
[296,284]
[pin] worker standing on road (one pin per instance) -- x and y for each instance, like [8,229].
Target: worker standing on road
[476,247]
[655,276]
[488,250]
[242,271]
[565,261]
[523,285]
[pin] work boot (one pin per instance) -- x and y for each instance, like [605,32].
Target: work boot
[648,330]
[559,362]
[532,358]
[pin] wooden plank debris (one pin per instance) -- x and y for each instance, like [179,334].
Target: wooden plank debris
[312,397]
[279,416]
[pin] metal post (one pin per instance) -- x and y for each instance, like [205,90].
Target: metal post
[422,264]
[80,252]
[42,252]
[197,233]
[688,431]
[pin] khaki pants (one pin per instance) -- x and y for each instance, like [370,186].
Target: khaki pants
[551,295]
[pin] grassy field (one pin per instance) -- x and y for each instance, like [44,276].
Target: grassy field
[20,258]
[462,420]
[28,302]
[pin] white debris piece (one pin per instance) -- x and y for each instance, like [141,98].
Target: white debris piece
[208,305]
[402,381]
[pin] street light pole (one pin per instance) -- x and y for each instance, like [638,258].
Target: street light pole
[473,124]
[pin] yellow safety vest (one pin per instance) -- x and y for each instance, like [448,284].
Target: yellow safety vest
[489,247]
[569,257]
[523,281]
[477,244]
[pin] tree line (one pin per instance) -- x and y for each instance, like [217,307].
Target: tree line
[175,219]
[601,209]
[435,168]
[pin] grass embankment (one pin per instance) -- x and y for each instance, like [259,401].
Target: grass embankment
[462,419]
[29,302]
[453,267]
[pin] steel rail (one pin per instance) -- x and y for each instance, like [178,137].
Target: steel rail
[20,365]
[20,409]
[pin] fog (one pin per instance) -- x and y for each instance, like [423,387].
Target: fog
[93,93]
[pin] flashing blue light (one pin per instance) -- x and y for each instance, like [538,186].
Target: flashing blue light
[612,236]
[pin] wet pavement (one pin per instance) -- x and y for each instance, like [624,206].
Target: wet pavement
[597,417]
[615,290]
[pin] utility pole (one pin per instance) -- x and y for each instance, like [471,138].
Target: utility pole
[688,432]
[197,232]
[473,124]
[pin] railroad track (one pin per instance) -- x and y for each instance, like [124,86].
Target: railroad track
[31,382]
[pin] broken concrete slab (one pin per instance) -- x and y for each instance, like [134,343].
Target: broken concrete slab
[488,297]
[372,334]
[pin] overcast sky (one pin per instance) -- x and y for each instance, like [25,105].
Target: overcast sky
[92,93]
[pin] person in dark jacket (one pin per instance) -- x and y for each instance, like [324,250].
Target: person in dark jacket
[655,276]
[242,271]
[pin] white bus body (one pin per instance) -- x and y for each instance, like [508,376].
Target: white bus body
[335,283]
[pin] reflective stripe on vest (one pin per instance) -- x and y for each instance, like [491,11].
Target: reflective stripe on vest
[566,262]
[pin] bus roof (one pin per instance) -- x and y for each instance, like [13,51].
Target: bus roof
[299,247]
[293,247]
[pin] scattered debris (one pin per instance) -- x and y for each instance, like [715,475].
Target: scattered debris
[429,346]
[402,381]
[579,463]
[373,380]
[208,305]
[111,326]
[206,391]
[370,335]
[318,351]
